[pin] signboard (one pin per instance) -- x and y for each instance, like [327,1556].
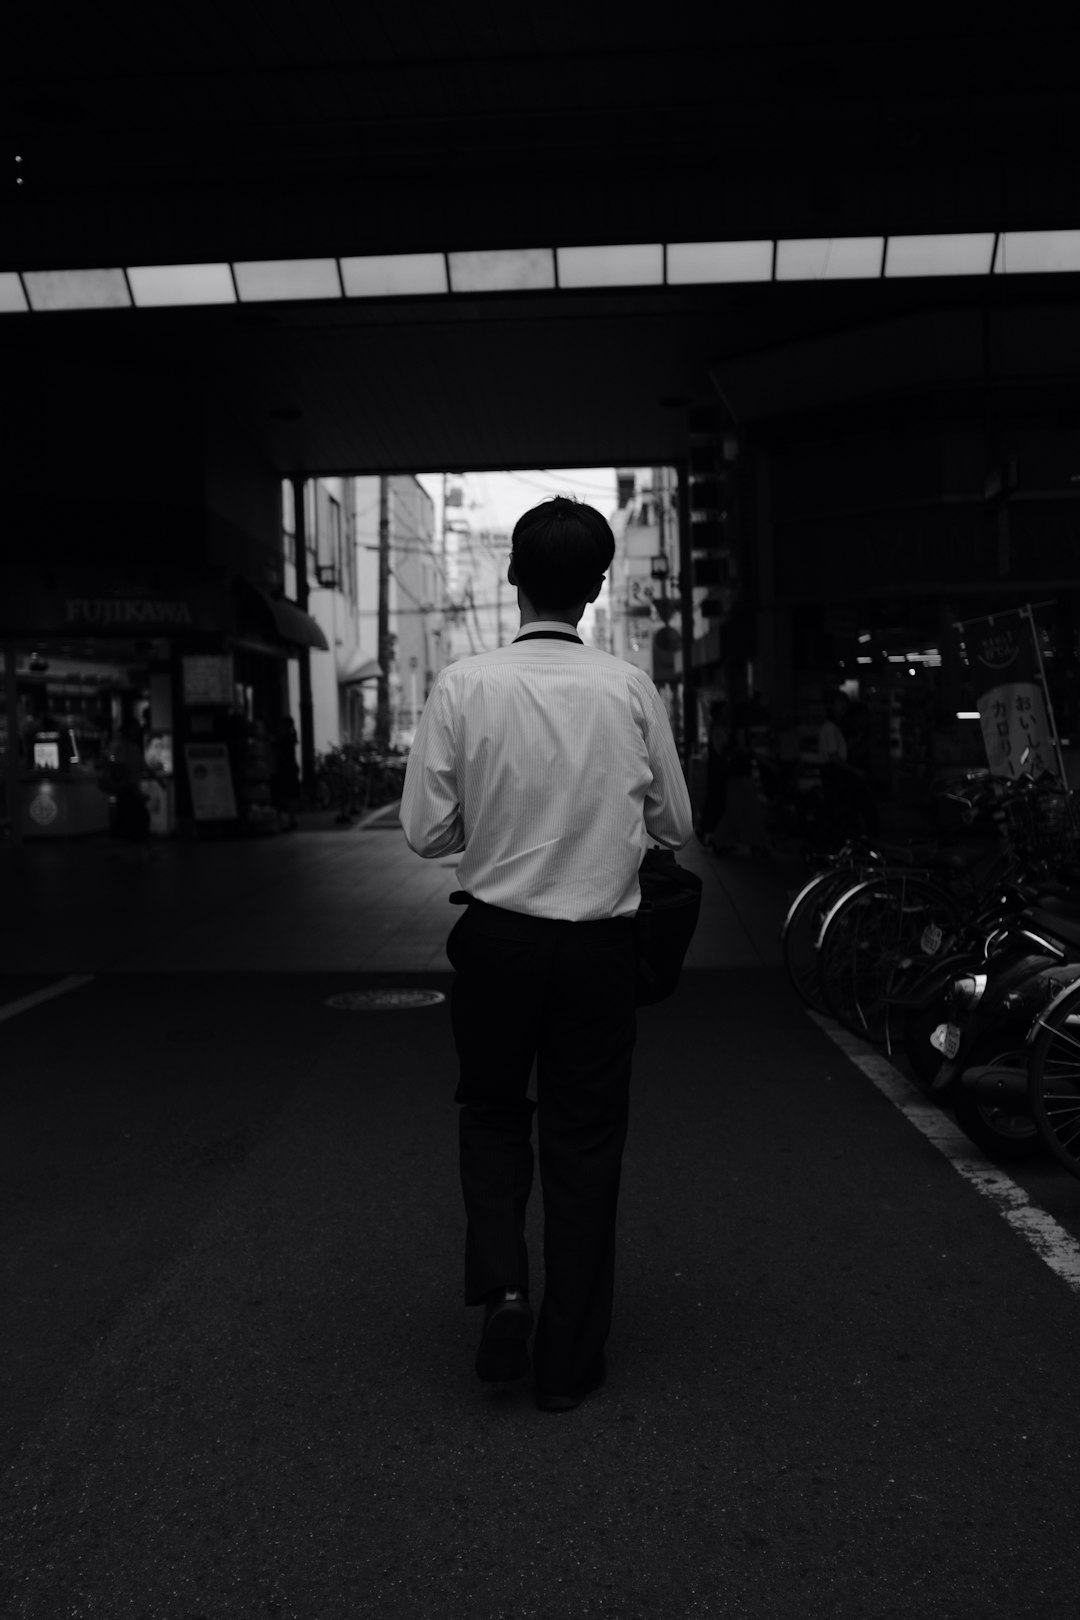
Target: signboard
[127,613]
[667,645]
[210,781]
[1003,655]
[111,601]
[208,678]
[47,751]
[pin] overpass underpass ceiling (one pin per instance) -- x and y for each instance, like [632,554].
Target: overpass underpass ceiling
[305,130]
[981,355]
[606,379]
[267,130]
[519,380]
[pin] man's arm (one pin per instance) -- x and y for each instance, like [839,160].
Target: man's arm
[669,818]
[430,814]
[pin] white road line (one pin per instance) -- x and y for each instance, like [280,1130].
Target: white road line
[1050,1241]
[12,1009]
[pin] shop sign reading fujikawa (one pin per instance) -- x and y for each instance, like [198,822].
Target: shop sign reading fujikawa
[111,610]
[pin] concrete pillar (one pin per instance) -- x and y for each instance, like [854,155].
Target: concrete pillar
[12,773]
[773,673]
[307,717]
[686,614]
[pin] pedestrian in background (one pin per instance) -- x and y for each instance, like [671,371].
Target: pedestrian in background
[287,773]
[719,736]
[550,764]
[845,785]
[743,820]
[123,780]
[855,724]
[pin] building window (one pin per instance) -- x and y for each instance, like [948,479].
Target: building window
[328,540]
[288,522]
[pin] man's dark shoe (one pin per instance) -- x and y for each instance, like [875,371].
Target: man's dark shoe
[549,1401]
[508,1321]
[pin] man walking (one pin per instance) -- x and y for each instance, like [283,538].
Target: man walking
[551,765]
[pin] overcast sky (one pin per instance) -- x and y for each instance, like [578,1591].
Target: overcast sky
[495,500]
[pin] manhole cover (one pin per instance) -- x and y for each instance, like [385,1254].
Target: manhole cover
[384,1000]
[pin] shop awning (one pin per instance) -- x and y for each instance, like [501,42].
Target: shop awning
[360,668]
[274,619]
[296,626]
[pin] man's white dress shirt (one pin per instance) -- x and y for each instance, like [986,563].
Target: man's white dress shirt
[832,744]
[552,766]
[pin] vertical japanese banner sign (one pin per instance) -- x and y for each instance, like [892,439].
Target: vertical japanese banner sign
[1012,704]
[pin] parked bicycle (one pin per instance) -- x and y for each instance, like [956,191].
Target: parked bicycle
[893,916]
[842,870]
[354,778]
[971,961]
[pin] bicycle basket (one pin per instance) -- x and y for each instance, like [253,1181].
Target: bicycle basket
[1041,823]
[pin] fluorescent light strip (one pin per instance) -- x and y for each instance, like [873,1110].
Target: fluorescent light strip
[829,258]
[640,265]
[77,289]
[397,275]
[690,262]
[966,254]
[12,298]
[496,270]
[388,275]
[1037,252]
[277,280]
[163,285]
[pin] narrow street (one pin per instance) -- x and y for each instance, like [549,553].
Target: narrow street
[237,1371]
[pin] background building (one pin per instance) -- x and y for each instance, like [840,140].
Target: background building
[342,524]
[639,621]
[483,612]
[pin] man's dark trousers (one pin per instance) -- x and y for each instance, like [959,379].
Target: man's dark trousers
[562,994]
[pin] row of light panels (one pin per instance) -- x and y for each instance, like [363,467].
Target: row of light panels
[640,264]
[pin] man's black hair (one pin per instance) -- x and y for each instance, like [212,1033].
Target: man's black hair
[560,550]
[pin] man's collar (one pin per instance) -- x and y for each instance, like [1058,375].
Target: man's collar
[559,626]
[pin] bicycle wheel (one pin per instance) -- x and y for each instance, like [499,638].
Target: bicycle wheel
[802,925]
[1054,1080]
[870,931]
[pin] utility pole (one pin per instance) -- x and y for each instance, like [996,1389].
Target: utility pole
[307,720]
[660,481]
[382,711]
[444,488]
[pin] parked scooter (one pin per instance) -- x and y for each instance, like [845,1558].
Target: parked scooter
[968,1018]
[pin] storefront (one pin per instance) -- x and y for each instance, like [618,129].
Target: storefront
[174,679]
[901,661]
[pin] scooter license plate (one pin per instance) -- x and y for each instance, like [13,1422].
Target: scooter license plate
[946,1039]
[930,942]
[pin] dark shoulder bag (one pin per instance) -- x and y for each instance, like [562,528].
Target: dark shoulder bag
[664,924]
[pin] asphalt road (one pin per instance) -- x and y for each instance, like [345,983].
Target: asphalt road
[237,1371]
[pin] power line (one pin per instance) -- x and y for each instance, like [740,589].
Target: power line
[576,483]
[566,483]
[445,610]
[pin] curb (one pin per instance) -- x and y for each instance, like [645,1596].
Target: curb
[385,816]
